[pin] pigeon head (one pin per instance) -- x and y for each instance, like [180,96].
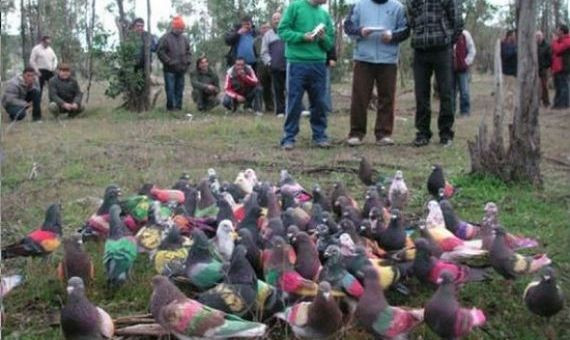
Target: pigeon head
[74,241]
[364,226]
[52,219]
[146,189]
[317,189]
[325,289]
[441,193]
[491,208]
[75,286]
[159,280]
[445,278]
[375,213]
[347,242]
[342,201]
[239,251]
[112,191]
[292,233]
[278,242]
[399,175]
[251,175]
[547,275]
[322,230]
[500,232]
[422,245]
[395,214]
[332,253]
[172,237]
[212,173]
[199,239]
[436,167]
[347,225]
[284,176]
[226,230]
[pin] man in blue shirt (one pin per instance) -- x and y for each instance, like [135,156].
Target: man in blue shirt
[378,26]
[241,39]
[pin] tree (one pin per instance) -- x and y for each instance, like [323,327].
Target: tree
[521,161]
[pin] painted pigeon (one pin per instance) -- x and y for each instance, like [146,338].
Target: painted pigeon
[510,264]
[445,316]
[324,239]
[445,245]
[224,240]
[543,296]
[171,254]
[290,186]
[435,215]
[40,242]
[487,235]
[207,206]
[163,195]
[398,192]
[462,229]
[373,202]
[238,293]
[377,317]
[202,269]
[318,319]
[250,223]
[244,185]
[97,225]
[334,272]
[308,263]
[213,181]
[120,249]
[253,254]
[80,319]
[76,262]
[428,269]
[188,318]
[436,181]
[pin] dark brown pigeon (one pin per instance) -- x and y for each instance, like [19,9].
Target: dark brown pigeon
[544,296]
[308,263]
[76,262]
[394,237]
[80,319]
[366,172]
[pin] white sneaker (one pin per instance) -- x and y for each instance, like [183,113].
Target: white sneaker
[280,115]
[385,141]
[354,141]
[258,113]
[305,113]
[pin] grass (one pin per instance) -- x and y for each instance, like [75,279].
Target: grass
[78,158]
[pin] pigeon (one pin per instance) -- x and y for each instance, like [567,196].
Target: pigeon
[76,262]
[394,237]
[40,242]
[9,282]
[238,293]
[244,185]
[462,229]
[308,264]
[250,223]
[320,197]
[376,316]
[346,207]
[279,270]
[445,316]
[187,318]
[435,215]
[170,256]
[97,225]
[334,272]
[274,228]
[436,181]
[202,269]
[365,172]
[80,319]
[398,192]
[207,206]
[514,242]
[213,181]
[165,195]
[324,239]
[318,319]
[373,202]
[428,269]
[225,212]
[290,186]
[120,249]
[137,208]
[543,296]
[253,254]
[445,245]
[510,264]
[224,240]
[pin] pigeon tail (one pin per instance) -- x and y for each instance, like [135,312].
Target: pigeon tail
[516,242]
[466,230]
[478,316]
[539,261]
[462,253]
[165,195]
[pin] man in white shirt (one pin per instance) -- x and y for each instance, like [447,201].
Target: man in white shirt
[43,60]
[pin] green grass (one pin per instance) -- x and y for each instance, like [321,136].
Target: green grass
[78,158]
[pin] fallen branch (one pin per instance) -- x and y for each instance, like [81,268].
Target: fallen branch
[152,329]
[134,319]
[557,161]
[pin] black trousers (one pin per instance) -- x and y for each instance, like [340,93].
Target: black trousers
[45,76]
[278,79]
[426,63]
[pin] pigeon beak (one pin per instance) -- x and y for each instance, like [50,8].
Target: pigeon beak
[234,235]
[69,289]
[439,280]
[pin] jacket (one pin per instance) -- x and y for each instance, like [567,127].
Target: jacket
[390,15]
[174,52]
[64,91]
[544,57]
[201,80]
[43,58]
[139,41]
[509,58]
[560,48]
[232,39]
[299,18]
[464,52]
[436,24]
[273,51]
[240,84]
[15,91]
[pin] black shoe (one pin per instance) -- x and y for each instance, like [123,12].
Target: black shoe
[420,141]
[446,142]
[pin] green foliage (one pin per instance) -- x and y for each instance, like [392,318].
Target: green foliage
[120,69]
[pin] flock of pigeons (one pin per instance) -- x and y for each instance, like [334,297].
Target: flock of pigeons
[251,251]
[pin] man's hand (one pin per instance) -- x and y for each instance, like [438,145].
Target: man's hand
[386,37]
[74,106]
[28,105]
[67,106]
[332,63]
[240,99]
[309,37]
[365,31]
[242,30]
[212,88]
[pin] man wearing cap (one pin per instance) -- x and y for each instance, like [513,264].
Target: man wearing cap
[174,53]
[64,93]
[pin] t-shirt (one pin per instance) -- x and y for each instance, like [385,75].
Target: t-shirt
[245,48]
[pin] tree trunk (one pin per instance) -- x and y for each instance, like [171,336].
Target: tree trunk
[147,66]
[556,8]
[122,22]
[524,152]
[23,30]
[90,30]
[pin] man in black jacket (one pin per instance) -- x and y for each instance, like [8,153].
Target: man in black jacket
[174,53]
[64,93]
[436,26]
[544,62]
[242,41]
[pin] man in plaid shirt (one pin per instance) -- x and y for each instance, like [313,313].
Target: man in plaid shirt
[436,25]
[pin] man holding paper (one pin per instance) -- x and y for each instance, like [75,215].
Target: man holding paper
[378,26]
[308,34]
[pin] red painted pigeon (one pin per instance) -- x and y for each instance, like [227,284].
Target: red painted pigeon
[436,182]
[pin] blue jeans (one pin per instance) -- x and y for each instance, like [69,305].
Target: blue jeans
[310,77]
[461,83]
[174,87]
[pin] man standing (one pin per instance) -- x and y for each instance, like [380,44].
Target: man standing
[544,63]
[378,26]
[242,87]
[436,25]
[139,35]
[308,33]
[463,57]
[43,60]
[64,93]
[561,67]
[174,53]
[264,72]
[509,60]
[21,93]
[273,56]
[241,39]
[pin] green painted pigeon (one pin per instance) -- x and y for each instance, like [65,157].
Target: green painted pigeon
[120,249]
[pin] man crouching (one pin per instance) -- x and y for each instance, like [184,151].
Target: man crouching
[64,93]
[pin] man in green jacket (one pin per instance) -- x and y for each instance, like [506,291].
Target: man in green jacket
[64,93]
[308,34]
[205,85]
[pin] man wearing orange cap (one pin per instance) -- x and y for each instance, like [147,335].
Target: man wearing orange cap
[174,53]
